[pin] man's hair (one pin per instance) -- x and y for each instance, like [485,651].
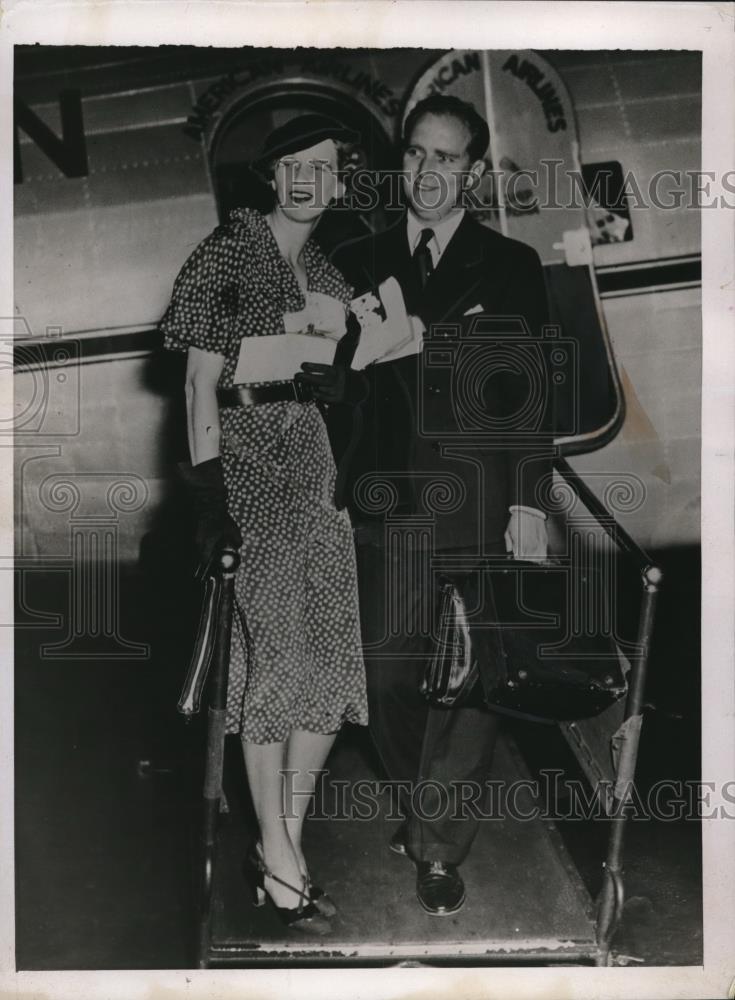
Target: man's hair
[440,104]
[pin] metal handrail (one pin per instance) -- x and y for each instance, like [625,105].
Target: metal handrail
[611,899]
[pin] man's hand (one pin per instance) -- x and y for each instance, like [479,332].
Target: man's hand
[526,536]
[333,383]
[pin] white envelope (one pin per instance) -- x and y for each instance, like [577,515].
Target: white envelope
[311,334]
[473,310]
[380,338]
[414,346]
[278,358]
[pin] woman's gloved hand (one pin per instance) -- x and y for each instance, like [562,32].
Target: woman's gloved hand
[216,527]
[334,383]
[338,382]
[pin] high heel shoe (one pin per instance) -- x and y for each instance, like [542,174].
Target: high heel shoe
[323,902]
[304,917]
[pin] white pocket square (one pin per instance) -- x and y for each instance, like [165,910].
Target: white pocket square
[473,310]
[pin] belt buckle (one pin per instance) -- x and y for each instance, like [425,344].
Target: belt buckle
[301,389]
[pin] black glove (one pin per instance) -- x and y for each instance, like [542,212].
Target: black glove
[334,383]
[216,528]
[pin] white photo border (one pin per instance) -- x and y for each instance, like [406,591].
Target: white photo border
[459,24]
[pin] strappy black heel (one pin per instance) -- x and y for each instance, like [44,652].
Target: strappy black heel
[323,902]
[304,917]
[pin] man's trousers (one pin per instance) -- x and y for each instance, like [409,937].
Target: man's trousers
[443,755]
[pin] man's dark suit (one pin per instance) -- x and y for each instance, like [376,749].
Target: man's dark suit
[432,477]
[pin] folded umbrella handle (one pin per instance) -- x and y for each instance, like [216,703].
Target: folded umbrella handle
[224,565]
[196,676]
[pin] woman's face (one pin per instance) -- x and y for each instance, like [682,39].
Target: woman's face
[306,182]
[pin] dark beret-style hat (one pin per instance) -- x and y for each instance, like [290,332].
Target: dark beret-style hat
[301,133]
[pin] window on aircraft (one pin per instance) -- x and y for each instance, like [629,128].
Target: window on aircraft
[609,212]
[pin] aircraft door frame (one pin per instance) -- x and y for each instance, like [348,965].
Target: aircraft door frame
[331,99]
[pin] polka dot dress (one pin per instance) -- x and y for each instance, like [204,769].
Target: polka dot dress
[295,658]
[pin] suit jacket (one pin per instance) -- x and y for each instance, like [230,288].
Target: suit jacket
[455,435]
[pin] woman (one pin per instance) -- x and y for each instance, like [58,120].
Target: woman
[263,476]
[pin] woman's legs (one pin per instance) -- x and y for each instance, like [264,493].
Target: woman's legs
[281,805]
[264,763]
[305,756]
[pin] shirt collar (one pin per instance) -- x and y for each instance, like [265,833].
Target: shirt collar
[444,230]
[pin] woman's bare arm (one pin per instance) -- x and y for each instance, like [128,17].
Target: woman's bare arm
[203,369]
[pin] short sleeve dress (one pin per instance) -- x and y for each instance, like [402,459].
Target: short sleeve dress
[296,657]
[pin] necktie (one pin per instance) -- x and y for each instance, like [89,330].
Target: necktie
[422,256]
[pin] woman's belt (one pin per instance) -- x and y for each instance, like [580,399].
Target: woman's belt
[276,392]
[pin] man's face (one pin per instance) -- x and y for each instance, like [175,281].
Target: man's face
[435,163]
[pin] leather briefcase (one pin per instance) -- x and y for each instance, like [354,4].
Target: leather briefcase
[517,635]
[452,675]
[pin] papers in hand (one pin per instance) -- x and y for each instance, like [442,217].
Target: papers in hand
[311,335]
[383,338]
[278,358]
[386,333]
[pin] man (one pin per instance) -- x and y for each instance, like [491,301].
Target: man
[431,478]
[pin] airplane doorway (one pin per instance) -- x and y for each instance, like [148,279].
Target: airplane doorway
[239,139]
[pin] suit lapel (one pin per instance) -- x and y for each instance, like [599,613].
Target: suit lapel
[396,260]
[457,274]
[466,275]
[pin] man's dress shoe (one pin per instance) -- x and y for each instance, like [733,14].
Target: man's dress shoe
[439,887]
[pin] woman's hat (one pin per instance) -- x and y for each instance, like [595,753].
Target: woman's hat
[301,133]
